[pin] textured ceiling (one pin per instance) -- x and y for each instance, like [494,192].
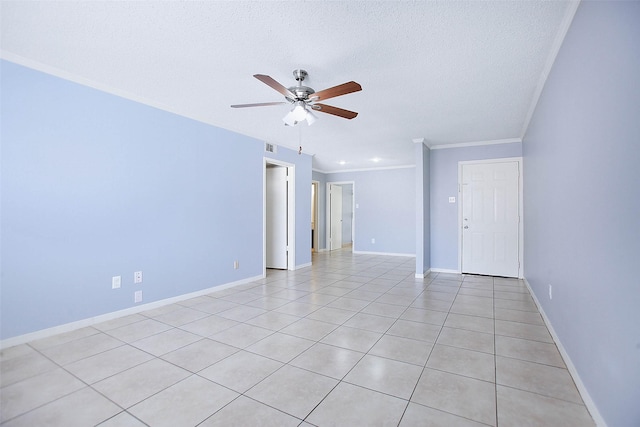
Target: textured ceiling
[451,72]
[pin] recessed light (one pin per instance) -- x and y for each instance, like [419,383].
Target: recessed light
[342,162]
[376,159]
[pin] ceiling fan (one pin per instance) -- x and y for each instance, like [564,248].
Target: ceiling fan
[304,99]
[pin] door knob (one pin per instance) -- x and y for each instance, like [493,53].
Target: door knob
[466,226]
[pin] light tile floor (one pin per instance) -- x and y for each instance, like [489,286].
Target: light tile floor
[353,340]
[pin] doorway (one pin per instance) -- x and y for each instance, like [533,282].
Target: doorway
[278,215]
[340,216]
[335,219]
[490,212]
[315,230]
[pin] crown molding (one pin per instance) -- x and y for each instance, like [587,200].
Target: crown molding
[365,169]
[572,7]
[476,143]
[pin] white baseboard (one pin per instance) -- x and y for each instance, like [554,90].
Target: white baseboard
[444,270]
[301,266]
[586,397]
[423,275]
[68,327]
[383,253]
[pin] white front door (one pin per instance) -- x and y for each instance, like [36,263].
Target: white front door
[335,199]
[491,218]
[276,217]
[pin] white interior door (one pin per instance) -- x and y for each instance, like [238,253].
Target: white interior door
[276,217]
[335,199]
[491,219]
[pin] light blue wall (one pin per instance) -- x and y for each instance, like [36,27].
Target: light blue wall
[386,202]
[95,186]
[582,203]
[444,184]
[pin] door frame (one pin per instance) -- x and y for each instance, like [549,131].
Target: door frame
[327,218]
[520,208]
[315,215]
[291,213]
[337,214]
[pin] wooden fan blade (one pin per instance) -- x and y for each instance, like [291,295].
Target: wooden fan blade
[323,108]
[332,92]
[260,104]
[274,84]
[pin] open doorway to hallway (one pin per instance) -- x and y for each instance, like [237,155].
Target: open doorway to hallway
[279,215]
[315,230]
[340,215]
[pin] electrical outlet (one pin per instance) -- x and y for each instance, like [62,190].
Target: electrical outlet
[137,296]
[236,265]
[373,240]
[116,281]
[550,291]
[137,277]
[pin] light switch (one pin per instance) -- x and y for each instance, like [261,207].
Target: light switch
[452,199]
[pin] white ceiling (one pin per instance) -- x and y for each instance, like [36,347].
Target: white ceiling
[451,72]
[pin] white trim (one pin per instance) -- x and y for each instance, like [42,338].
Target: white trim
[475,143]
[584,393]
[291,212]
[572,7]
[445,270]
[301,266]
[366,169]
[65,75]
[520,207]
[423,275]
[383,253]
[90,321]
[316,220]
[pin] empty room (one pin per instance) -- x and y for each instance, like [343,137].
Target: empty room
[319,213]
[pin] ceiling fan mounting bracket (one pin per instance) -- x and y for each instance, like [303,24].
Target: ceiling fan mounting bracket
[300,75]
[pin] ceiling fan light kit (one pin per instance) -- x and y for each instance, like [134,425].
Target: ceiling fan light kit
[304,99]
[299,114]
[289,120]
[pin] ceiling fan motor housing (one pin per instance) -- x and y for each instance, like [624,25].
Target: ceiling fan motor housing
[302,93]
